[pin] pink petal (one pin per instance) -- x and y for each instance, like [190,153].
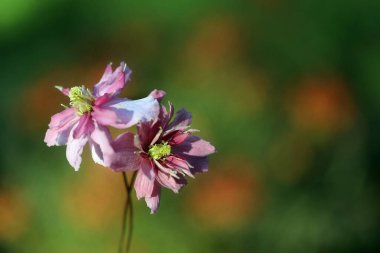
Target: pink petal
[112,82]
[85,126]
[158,94]
[63,117]
[126,156]
[177,162]
[181,121]
[194,146]
[124,113]
[153,202]
[169,182]
[182,167]
[145,179]
[102,99]
[100,145]
[74,150]
[60,127]
[178,138]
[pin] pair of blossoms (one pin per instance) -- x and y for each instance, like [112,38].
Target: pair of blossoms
[163,151]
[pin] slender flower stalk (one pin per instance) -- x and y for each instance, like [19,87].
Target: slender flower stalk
[131,212]
[127,220]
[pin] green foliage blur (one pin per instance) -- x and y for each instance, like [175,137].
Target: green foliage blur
[288,91]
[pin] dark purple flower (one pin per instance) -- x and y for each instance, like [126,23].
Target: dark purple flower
[164,152]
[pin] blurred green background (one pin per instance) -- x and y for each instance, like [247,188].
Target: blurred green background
[288,91]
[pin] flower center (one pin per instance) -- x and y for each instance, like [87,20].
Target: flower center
[81,99]
[158,151]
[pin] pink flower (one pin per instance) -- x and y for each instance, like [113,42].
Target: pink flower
[163,152]
[91,111]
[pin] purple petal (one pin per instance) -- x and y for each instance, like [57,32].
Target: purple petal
[199,164]
[124,113]
[146,131]
[100,145]
[145,179]
[165,115]
[85,126]
[181,121]
[60,127]
[74,150]
[194,146]
[112,82]
[126,156]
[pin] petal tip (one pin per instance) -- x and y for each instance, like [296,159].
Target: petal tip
[158,94]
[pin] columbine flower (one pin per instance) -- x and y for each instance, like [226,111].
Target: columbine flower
[163,152]
[90,111]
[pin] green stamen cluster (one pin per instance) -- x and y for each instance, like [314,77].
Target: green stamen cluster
[81,99]
[158,151]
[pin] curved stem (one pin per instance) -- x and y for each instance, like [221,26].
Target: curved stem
[124,219]
[130,227]
[127,213]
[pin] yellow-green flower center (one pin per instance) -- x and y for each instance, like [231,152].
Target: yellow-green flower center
[81,99]
[158,151]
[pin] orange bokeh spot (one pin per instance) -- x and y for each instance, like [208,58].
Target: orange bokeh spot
[322,104]
[95,200]
[13,215]
[227,198]
[40,102]
[215,40]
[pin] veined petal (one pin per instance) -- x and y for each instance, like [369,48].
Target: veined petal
[124,113]
[74,150]
[145,179]
[169,182]
[112,82]
[102,99]
[63,117]
[165,115]
[194,146]
[153,202]
[85,126]
[60,127]
[181,121]
[146,131]
[100,145]
[178,138]
[199,164]
[126,155]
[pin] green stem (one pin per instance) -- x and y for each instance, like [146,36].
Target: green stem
[130,227]
[127,213]
[124,219]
